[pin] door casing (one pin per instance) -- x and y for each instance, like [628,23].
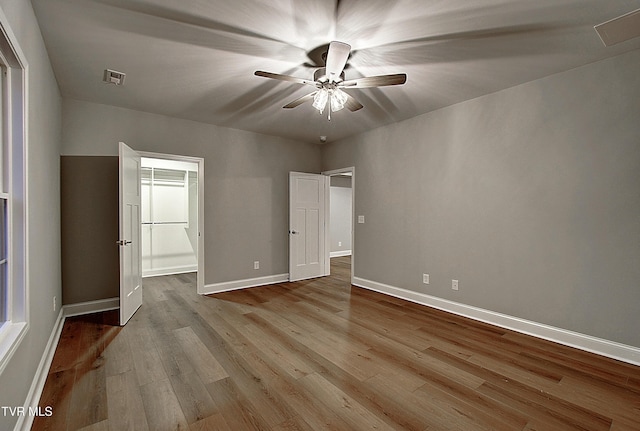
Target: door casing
[352,170]
[200,161]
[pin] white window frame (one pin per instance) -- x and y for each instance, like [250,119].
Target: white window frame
[14,147]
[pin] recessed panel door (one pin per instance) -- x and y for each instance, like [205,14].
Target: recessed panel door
[307,240]
[130,233]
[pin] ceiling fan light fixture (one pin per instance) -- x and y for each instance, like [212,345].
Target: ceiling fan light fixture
[320,99]
[328,80]
[338,99]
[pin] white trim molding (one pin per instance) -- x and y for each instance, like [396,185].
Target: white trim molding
[173,270]
[340,253]
[11,335]
[89,307]
[348,170]
[243,284]
[15,93]
[39,379]
[611,349]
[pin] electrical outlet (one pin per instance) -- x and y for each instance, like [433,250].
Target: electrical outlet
[55,303]
[425,278]
[454,284]
[256,264]
[360,219]
[339,243]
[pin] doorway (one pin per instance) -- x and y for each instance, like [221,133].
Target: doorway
[341,235]
[172,215]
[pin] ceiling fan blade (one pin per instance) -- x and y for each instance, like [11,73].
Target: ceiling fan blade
[336,59]
[352,104]
[375,81]
[619,29]
[284,78]
[300,101]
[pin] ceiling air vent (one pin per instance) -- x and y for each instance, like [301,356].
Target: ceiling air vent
[113,77]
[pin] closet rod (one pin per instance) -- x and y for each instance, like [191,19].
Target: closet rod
[165,222]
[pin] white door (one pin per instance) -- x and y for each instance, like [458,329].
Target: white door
[308,195]
[130,234]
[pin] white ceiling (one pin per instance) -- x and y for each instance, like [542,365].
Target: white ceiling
[194,59]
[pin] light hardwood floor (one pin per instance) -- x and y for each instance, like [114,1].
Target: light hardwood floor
[321,354]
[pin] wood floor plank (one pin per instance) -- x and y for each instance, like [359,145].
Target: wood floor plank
[278,350]
[163,411]
[70,337]
[193,397]
[534,399]
[88,403]
[117,355]
[124,399]
[147,362]
[99,426]
[297,424]
[238,413]
[56,394]
[483,409]
[252,374]
[201,358]
[348,409]
[174,358]
[309,411]
[421,410]
[321,354]
[212,423]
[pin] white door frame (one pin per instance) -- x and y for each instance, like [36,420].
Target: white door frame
[200,162]
[351,169]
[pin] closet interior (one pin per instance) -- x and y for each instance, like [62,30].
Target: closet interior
[169,192]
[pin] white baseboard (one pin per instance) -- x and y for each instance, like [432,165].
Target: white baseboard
[243,284]
[340,253]
[611,349]
[39,379]
[91,307]
[169,271]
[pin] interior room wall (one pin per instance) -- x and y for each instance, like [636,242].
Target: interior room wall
[245,186]
[340,216]
[89,225]
[43,205]
[529,197]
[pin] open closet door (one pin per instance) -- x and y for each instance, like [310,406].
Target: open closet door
[308,202]
[130,233]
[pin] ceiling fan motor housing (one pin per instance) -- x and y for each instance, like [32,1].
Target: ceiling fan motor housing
[320,75]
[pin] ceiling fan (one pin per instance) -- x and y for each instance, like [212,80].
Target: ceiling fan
[329,82]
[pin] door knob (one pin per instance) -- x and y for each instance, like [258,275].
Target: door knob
[123,242]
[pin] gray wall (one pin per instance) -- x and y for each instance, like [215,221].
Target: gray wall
[89,227]
[43,253]
[529,196]
[341,214]
[246,179]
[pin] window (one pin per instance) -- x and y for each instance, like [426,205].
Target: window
[4,200]
[13,212]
